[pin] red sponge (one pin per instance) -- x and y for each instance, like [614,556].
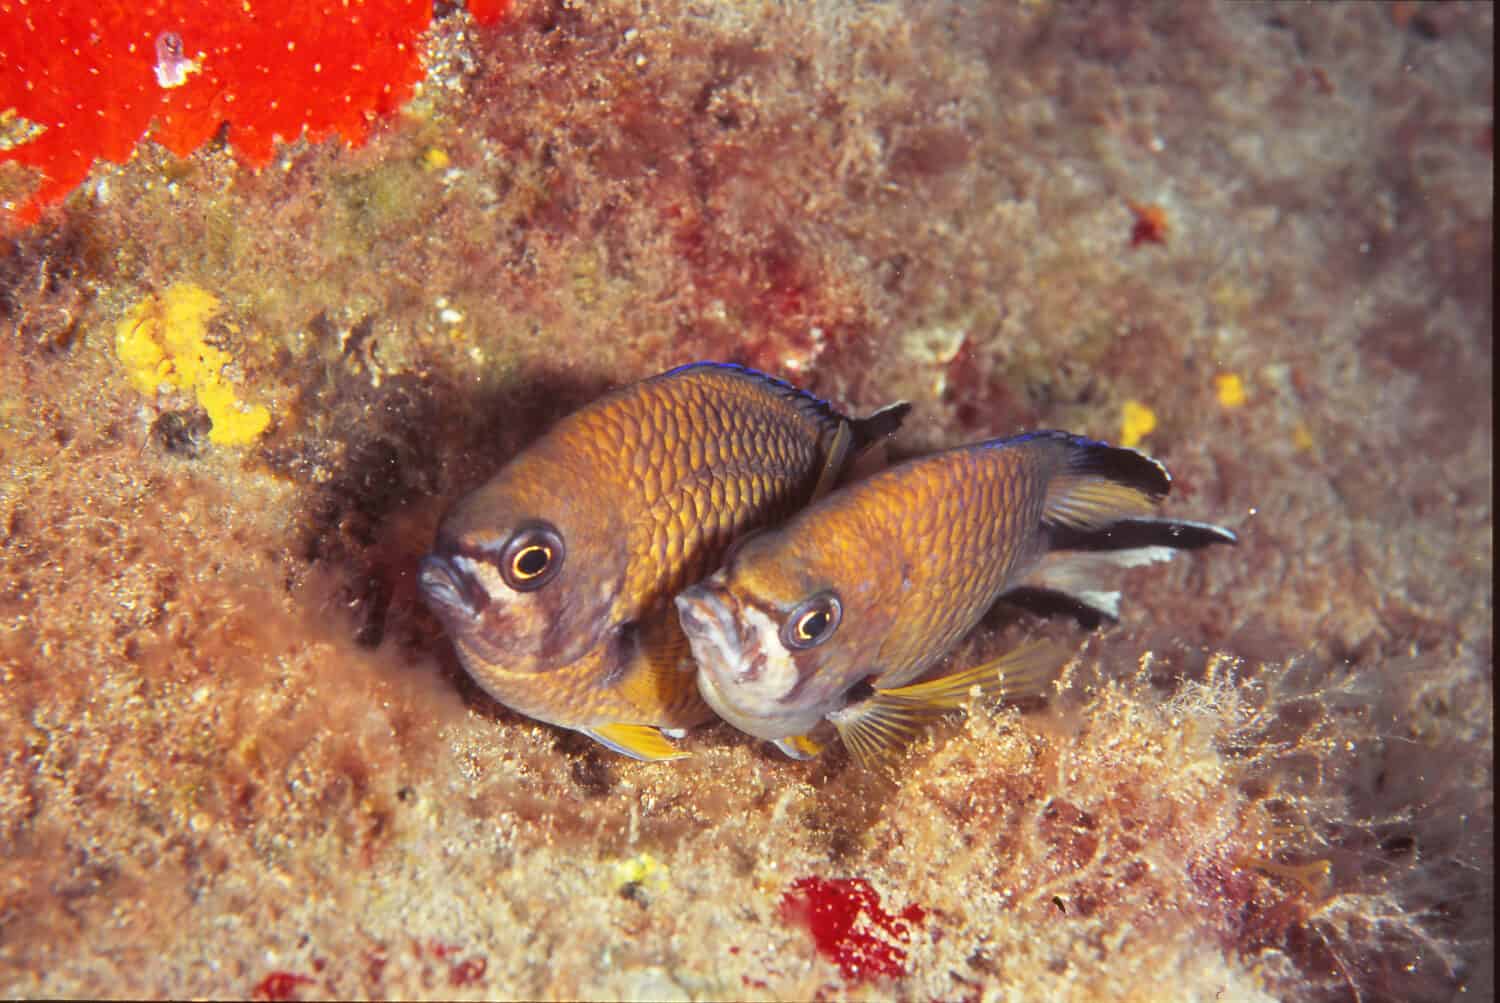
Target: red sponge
[83,79]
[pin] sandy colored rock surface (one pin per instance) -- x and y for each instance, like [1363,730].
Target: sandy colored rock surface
[239,758]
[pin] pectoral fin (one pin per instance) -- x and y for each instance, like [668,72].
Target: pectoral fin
[658,680]
[883,724]
[1025,672]
[638,741]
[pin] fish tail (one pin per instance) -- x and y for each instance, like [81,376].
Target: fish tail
[1100,485]
[1079,563]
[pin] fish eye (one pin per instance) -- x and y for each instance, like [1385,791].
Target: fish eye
[532,557]
[812,622]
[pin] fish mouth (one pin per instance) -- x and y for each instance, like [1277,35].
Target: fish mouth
[707,617]
[728,668]
[449,591]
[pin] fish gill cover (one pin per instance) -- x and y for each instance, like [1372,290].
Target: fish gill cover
[83,81]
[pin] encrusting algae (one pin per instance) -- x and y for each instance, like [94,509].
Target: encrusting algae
[162,341]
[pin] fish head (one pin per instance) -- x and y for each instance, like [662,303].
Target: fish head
[525,572]
[779,636]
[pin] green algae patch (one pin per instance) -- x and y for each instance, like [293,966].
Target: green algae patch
[162,341]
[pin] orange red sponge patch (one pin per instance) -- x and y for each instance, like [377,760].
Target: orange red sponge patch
[84,79]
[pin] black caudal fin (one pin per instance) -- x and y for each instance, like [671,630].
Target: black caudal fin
[1089,578]
[1084,565]
[1099,485]
[1100,517]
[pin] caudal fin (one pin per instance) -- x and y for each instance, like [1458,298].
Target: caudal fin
[1100,517]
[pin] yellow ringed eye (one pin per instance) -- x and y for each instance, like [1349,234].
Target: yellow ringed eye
[531,561]
[532,557]
[813,623]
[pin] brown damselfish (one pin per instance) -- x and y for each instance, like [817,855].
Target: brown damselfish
[840,612]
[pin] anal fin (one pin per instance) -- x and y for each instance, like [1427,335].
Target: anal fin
[638,741]
[878,727]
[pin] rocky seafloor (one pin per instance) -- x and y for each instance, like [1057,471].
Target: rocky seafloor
[239,757]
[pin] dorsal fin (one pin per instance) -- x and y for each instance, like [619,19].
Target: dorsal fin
[863,431]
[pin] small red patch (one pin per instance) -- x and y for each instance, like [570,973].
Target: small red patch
[280,986]
[375,962]
[468,972]
[833,909]
[1150,224]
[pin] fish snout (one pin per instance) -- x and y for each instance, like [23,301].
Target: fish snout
[708,620]
[449,590]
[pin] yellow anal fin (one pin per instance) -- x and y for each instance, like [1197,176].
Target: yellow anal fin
[638,741]
[838,452]
[880,726]
[798,746]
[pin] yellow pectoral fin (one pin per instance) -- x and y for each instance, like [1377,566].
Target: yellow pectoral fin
[660,682]
[880,726]
[877,728]
[638,741]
